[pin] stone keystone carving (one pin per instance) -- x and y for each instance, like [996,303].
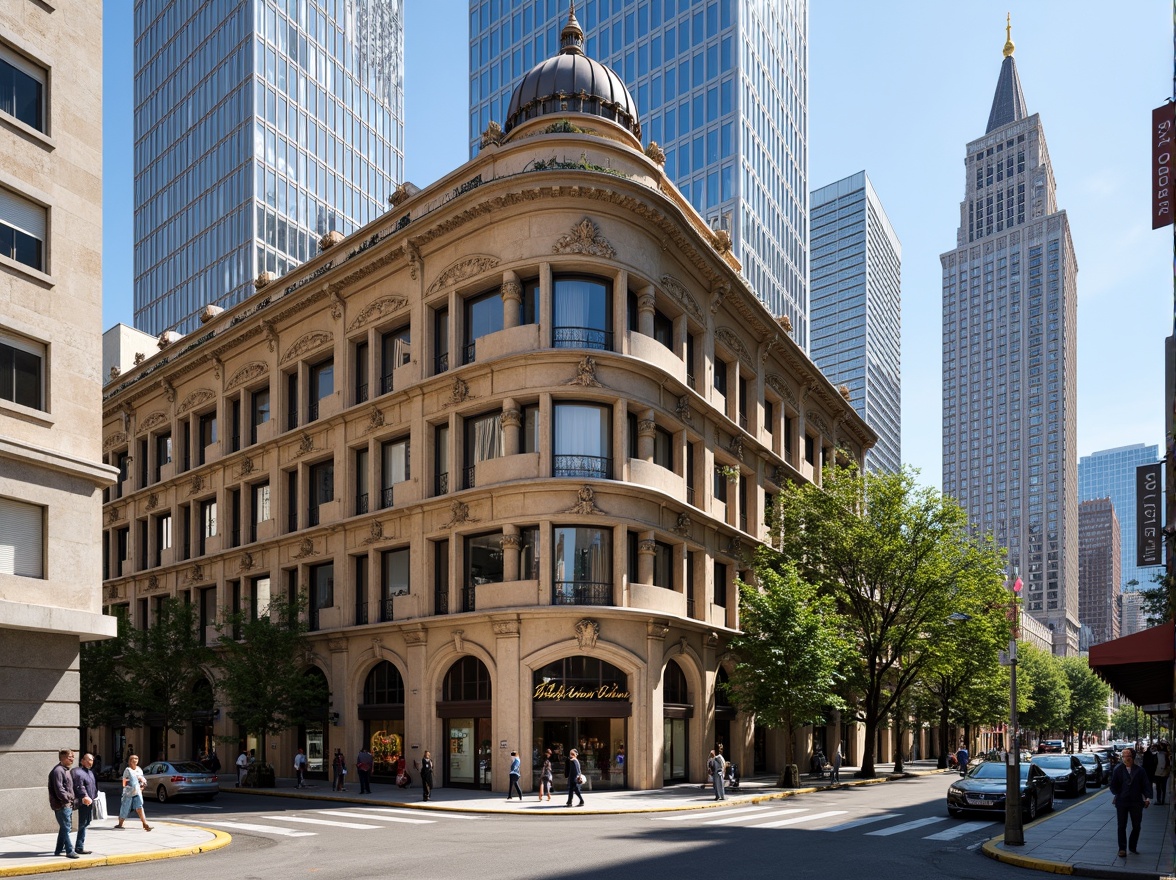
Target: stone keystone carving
[586,502]
[461,270]
[459,512]
[585,238]
[196,398]
[305,343]
[587,632]
[305,549]
[585,374]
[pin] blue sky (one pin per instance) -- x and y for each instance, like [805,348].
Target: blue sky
[896,88]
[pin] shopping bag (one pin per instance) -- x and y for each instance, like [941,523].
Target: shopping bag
[99,806]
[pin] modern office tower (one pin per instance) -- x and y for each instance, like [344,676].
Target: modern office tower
[1133,617]
[51,471]
[1110,473]
[1009,359]
[1098,569]
[856,288]
[723,89]
[260,126]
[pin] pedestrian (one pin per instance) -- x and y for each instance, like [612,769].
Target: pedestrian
[85,792]
[242,766]
[427,775]
[715,766]
[572,771]
[363,766]
[403,780]
[98,767]
[516,771]
[835,764]
[962,758]
[214,763]
[61,801]
[300,769]
[1132,791]
[133,782]
[339,766]
[546,777]
[1149,760]
[1163,771]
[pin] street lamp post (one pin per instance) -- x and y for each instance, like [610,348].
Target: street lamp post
[1014,827]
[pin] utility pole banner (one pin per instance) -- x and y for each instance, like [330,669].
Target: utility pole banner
[1149,484]
[1163,121]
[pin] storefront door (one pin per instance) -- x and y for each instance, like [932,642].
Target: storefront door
[676,761]
[600,742]
[469,752]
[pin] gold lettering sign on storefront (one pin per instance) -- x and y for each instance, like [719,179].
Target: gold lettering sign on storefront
[550,690]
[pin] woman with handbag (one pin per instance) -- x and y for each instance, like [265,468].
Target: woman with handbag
[339,766]
[427,774]
[575,779]
[133,782]
[402,778]
[546,777]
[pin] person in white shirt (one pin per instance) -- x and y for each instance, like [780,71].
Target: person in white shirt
[300,768]
[242,766]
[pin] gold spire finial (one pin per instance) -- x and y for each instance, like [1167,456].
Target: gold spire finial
[1008,46]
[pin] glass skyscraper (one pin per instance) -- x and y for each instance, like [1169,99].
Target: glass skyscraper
[1110,473]
[1010,315]
[722,87]
[259,127]
[856,286]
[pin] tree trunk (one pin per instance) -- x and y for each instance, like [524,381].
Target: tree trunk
[871,730]
[898,768]
[943,747]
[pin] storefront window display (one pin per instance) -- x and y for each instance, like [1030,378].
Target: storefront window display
[382,713]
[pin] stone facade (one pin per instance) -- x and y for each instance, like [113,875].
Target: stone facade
[51,476]
[531,420]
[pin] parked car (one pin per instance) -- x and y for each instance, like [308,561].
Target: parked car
[1048,746]
[1066,771]
[1097,773]
[181,779]
[983,790]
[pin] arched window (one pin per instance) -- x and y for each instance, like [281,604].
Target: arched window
[384,685]
[674,689]
[467,679]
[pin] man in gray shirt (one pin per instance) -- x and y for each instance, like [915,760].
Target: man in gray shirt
[85,791]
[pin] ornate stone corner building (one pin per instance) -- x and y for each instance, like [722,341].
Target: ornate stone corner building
[529,547]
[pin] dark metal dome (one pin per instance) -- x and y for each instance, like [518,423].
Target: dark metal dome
[571,82]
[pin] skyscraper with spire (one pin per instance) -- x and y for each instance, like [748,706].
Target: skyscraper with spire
[1009,359]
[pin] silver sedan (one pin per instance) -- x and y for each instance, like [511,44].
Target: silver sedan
[184,779]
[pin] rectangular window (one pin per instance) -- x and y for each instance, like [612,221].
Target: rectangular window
[529,441]
[581,566]
[663,448]
[663,566]
[21,372]
[259,411]
[582,314]
[441,460]
[396,351]
[720,571]
[163,536]
[322,487]
[395,462]
[361,590]
[483,316]
[22,89]
[583,441]
[322,385]
[207,433]
[441,340]
[483,442]
[393,579]
[207,522]
[22,230]
[720,382]
[22,539]
[361,372]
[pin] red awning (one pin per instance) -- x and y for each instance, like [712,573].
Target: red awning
[1140,666]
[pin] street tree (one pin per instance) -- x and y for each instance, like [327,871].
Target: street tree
[263,664]
[790,652]
[898,560]
[162,662]
[1127,722]
[1087,710]
[1042,676]
[105,697]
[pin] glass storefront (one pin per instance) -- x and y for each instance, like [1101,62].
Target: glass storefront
[469,752]
[465,712]
[677,709]
[382,713]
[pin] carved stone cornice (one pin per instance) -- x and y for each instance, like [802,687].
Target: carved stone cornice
[116,439]
[199,397]
[683,525]
[682,410]
[585,374]
[378,308]
[305,549]
[375,420]
[460,270]
[819,420]
[657,629]
[781,387]
[197,484]
[307,342]
[682,296]
[375,533]
[459,393]
[585,238]
[506,628]
[731,339]
[151,420]
[415,636]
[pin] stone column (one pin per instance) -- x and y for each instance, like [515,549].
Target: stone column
[512,299]
[422,729]
[646,430]
[511,542]
[645,308]
[512,421]
[646,550]
[507,703]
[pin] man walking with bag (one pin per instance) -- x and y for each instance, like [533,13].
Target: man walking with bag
[85,793]
[1132,792]
[61,800]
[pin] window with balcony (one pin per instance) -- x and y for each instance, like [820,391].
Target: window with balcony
[322,488]
[690,490]
[483,441]
[742,390]
[322,591]
[361,590]
[361,481]
[23,226]
[22,89]
[261,508]
[322,386]
[441,577]
[483,316]
[360,372]
[22,371]
[582,313]
[207,435]
[582,443]
[440,340]
[529,437]
[163,453]
[259,411]
[581,566]
[207,523]
[394,468]
[691,361]
[163,536]
[441,460]
[393,579]
[234,424]
[395,351]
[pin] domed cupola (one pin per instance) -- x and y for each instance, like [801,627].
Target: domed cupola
[571,82]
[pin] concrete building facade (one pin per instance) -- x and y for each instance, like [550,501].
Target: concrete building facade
[1098,569]
[51,471]
[856,288]
[1009,359]
[723,89]
[259,127]
[515,439]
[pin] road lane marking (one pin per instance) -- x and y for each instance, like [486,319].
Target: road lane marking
[728,819]
[683,817]
[370,816]
[958,831]
[796,820]
[247,826]
[857,823]
[309,821]
[906,826]
[432,814]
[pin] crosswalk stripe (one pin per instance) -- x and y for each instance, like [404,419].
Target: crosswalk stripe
[796,820]
[369,816]
[310,821]
[683,817]
[906,826]
[247,826]
[958,831]
[432,814]
[728,819]
[203,807]
[857,823]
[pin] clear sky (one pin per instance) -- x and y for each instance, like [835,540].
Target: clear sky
[898,89]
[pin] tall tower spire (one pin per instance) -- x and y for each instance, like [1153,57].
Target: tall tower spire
[1008,46]
[1008,104]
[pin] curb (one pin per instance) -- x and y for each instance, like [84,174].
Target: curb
[219,840]
[576,811]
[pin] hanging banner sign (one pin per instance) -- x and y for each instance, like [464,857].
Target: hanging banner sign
[1148,495]
[1163,123]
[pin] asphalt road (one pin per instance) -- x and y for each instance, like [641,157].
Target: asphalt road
[891,830]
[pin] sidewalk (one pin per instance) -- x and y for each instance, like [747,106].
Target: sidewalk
[1080,840]
[33,853]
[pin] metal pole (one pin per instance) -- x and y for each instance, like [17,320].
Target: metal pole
[1014,828]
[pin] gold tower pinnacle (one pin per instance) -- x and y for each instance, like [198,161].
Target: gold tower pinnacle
[1008,46]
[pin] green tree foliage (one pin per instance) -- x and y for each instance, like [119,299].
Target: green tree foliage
[1042,677]
[1127,722]
[263,673]
[1158,601]
[162,663]
[898,560]
[105,696]
[1087,708]
[791,650]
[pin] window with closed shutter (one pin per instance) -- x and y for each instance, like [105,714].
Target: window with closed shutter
[22,539]
[22,230]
